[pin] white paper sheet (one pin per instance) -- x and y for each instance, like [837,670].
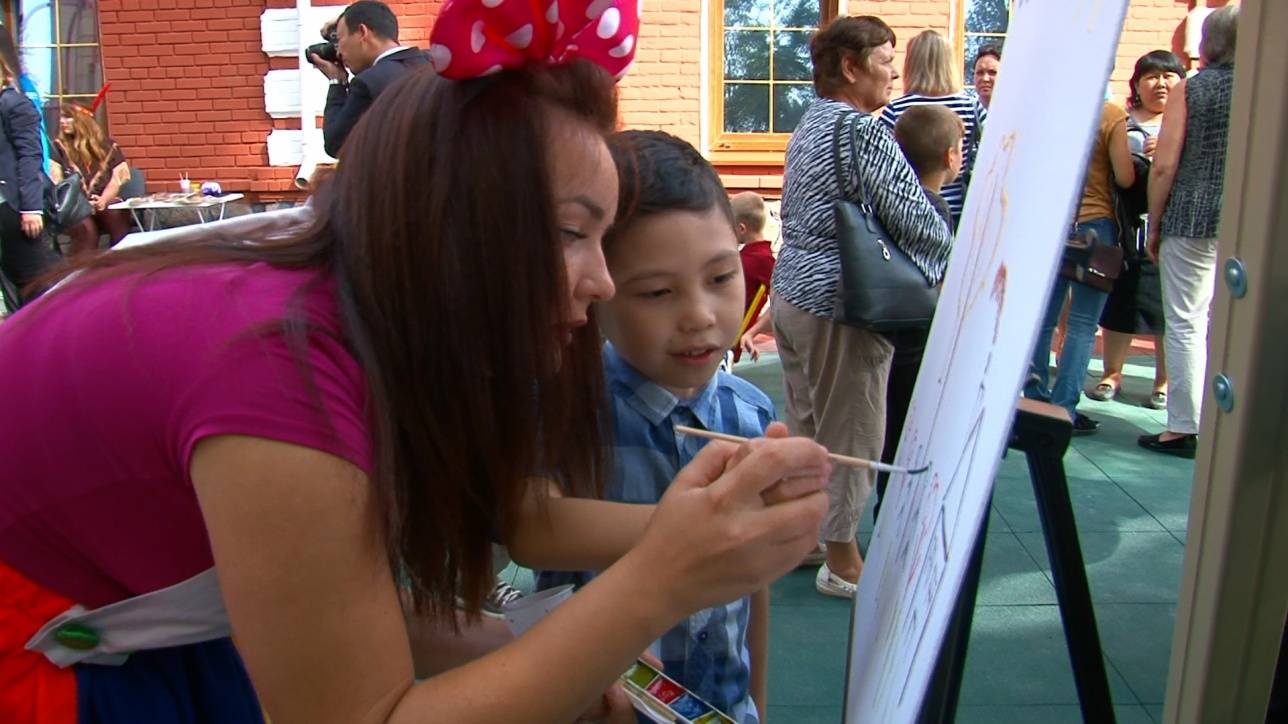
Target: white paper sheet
[1045,110]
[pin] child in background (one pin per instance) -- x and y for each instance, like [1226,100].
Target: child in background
[673,257]
[931,138]
[757,268]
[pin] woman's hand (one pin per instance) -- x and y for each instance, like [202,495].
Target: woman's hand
[1151,142]
[748,343]
[714,538]
[33,224]
[1152,243]
[98,202]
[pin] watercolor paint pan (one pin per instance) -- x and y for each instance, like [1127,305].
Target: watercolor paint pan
[664,700]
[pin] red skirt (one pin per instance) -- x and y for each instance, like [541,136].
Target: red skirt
[32,690]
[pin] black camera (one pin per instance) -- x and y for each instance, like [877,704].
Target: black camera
[328,50]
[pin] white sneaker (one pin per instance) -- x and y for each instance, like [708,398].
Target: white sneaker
[830,584]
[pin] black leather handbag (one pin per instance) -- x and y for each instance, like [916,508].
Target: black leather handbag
[880,288]
[66,204]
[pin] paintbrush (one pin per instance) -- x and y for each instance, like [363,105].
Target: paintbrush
[846,460]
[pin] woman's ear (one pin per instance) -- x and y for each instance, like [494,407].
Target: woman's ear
[852,67]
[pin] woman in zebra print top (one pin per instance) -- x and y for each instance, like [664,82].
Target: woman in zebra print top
[836,375]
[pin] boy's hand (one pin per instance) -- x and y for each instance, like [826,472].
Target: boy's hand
[748,343]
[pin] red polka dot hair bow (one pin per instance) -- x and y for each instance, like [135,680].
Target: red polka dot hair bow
[473,38]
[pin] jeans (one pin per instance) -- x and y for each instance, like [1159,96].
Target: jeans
[1188,267]
[1080,337]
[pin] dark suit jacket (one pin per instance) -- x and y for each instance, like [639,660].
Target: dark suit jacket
[346,104]
[22,176]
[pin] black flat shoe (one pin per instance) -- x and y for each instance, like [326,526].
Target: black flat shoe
[1083,425]
[1182,447]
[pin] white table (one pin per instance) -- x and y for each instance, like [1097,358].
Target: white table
[145,204]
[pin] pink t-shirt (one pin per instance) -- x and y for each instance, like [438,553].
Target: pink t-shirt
[106,388]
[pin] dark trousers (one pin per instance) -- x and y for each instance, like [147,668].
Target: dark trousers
[909,346]
[22,258]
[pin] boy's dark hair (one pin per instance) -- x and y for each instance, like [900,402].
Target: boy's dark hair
[656,173]
[377,16]
[992,49]
[925,132]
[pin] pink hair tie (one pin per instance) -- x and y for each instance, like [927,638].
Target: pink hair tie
[473,38]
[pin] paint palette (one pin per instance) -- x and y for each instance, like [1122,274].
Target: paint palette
[663,700]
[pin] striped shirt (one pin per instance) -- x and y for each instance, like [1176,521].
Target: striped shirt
[707,652]
[973,114]
[809,263]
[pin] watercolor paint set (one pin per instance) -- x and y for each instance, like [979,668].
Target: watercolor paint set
[663,700]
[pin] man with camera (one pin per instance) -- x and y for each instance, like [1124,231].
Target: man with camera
[364,40]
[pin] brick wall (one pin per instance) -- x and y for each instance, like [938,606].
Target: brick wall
[188,88]
[187,76]
[664,86]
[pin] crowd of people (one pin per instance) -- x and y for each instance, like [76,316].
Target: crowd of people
[296,517]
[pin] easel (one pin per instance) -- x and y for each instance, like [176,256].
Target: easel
[1041,432]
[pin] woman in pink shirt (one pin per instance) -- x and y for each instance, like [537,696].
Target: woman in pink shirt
[305,442]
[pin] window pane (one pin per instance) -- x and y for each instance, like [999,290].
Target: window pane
[747,54]
[791,55]
[986,16]
[790,102]
[82,72]
[746,13]
[78,21]
[746,108]
[971,49]
[36,22]
[796,13]
[40,65]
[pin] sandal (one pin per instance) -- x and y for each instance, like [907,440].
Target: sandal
[1182,447]
[1104,392]
[1157,400]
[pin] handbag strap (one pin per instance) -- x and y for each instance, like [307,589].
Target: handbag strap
[836,161]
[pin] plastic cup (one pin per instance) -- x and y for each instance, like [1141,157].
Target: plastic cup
[524,613]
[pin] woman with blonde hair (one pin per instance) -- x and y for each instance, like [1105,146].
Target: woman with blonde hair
[25,253]
[83,148]
[930,76]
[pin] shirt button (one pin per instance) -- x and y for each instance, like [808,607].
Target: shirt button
[702,636]
[75,636]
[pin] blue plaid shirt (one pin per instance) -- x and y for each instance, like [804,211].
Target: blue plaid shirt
[707,652]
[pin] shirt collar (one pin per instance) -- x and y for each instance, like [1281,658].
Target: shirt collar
[652,401]
[388,53]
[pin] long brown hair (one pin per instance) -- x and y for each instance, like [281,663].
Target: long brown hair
[10,62]
[439,232]
[86,145]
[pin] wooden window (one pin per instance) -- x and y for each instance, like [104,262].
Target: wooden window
[984,22]
[59,43]
[761,78]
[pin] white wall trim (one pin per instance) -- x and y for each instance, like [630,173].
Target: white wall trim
[704,88]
